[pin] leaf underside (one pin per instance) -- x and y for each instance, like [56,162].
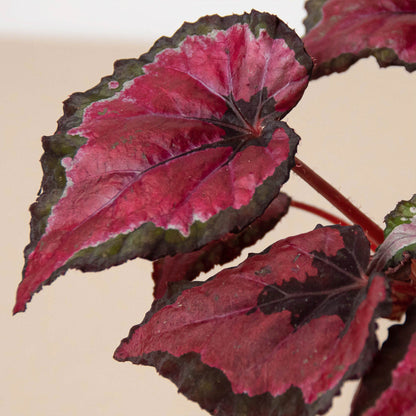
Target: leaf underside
[187,266]
[389,387]
[285,328]
[172,151]
[399,247]
[340,32]
[396,256]
[403,213]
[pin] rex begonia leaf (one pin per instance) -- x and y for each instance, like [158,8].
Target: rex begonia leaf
[172,151]
[187,266]
[340,32]
[399,245]
[404,213]
[389,387]
[278,334]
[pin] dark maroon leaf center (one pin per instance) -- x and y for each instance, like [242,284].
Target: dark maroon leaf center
[189,147]
[331,291]
[247,118]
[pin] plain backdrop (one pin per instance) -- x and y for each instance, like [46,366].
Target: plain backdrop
[128,19]
[357,129]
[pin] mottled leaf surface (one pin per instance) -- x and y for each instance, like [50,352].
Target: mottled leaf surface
[187,266]
[171,151]
[389,388]
[288,326]
[399,246]
[339,32]
[404,213]
[401,238]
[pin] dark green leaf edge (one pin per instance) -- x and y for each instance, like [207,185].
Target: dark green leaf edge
[210,387]
[385,56]
[313,13]
[60,145]
[151,242]
[401,214]
[220,252]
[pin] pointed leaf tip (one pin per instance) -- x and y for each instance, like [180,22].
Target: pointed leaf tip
[172,151]
[286,327]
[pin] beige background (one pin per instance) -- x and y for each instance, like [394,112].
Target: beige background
[358,131]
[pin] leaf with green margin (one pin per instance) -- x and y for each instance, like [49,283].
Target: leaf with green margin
[340,32]
[404,212]
[278,334]
[172,151]
[187,266]
[400,241]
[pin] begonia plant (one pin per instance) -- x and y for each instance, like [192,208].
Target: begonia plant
[178,157]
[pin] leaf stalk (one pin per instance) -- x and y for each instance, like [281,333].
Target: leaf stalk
[319,212]
[374,233]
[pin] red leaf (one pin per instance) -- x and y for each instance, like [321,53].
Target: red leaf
[339,32]
[389,387]
[187,266]
[172,151]
[293,322]
[402,293]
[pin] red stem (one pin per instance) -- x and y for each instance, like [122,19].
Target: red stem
[326,215]
[318,211]
[373,231]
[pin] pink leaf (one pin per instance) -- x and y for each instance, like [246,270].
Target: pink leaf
[289,324]
[172,151]
[339,32]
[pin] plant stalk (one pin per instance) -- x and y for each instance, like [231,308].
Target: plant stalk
[374,233]
[319,212]
[326,215]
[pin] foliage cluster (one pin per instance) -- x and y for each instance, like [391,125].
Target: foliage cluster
[179,157]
